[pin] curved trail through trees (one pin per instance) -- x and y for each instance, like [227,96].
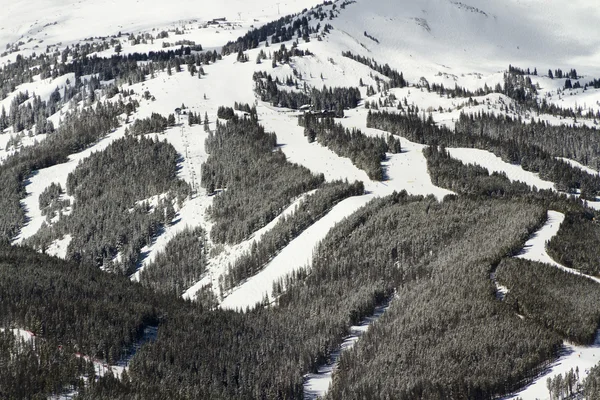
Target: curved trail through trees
[571,356]
[316,385]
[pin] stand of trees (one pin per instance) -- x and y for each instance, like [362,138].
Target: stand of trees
[121,67]
[444,330]
[110,216]
[50,202]
[155,123]
[559,300]
[396,78]
[412,245]
[591,384]
[365,152]
[77,131]
[77,306]
[180,265]
[311,209]
[255,182]
[575,245]
[327,99]
[35,370]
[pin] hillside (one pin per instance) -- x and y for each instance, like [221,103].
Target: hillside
[300,200]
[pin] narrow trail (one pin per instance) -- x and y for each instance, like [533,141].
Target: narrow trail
[572,356]
[316,385]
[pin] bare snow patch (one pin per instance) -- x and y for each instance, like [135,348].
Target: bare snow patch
[58,248]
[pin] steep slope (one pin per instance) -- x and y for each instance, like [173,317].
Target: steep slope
[454,37]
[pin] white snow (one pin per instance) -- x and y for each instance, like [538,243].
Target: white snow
[58,248]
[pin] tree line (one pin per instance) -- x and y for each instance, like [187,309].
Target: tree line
[254,182]
[534,146]
[366,152]
[310,210]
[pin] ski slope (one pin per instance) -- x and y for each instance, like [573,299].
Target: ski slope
[316,385]
[217,266]
[493,163]
[296,255]
[571,356]
[535,247]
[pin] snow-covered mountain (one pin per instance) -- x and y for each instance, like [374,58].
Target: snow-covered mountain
[465,46]
[48,21]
